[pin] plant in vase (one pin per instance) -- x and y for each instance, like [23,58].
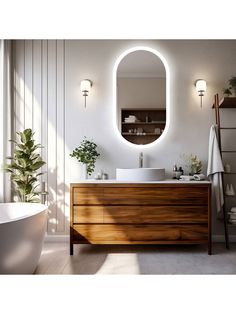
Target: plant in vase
[24,167]
[192,163]
[232,83]
[227,92]
[87,154]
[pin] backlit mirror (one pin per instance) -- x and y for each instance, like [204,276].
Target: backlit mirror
[141,96]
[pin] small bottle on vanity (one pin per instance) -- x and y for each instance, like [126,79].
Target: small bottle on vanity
[174,171]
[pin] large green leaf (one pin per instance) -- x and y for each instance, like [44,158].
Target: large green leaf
[37,165]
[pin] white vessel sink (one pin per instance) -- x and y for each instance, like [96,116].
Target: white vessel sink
[140,174]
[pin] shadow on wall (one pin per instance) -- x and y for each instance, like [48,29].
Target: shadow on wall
[57,220]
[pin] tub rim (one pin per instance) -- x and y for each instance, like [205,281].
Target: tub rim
[41,208]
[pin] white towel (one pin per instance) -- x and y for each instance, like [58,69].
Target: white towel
[186,178]
[233,209]
[199,177]
[232,215]
[215,169]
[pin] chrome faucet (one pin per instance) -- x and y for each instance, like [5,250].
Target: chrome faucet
[43,193]
[141,160]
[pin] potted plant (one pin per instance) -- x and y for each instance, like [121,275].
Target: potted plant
[227,92]
[192,163]
[232,83]
[24,167]
[87,154]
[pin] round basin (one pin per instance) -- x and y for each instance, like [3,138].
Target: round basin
[140,174]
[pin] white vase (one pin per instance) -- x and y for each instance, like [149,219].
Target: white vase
[84,175]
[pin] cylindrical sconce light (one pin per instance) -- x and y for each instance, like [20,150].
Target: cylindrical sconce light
[85,87]
[201,88]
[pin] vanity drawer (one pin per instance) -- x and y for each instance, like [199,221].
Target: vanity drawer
[111,233]
[87,195]
[87,214]
[125,234]
[156,195]
[155,214]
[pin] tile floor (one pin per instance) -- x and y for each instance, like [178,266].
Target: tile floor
[111,259]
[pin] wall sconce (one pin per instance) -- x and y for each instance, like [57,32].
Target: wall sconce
[201,88]
[85,87]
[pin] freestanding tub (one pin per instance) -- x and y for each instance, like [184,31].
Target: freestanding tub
[22,231]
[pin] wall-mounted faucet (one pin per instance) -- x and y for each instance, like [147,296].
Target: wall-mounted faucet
[141,160]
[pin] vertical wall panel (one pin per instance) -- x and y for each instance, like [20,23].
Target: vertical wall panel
[44,108]
[20,86]
[28,88]
[60,138]
[40,104]
[36,84]
[52,134]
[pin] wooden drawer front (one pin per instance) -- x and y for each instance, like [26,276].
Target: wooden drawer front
[156,196]
[194,232]
[87,195]
[88,214]
[124,234]
[155,214]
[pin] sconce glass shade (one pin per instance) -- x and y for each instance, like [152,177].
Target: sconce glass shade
[85,86]
[201,87]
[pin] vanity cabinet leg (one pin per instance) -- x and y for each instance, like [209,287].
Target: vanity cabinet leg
[71,249]
[209,248]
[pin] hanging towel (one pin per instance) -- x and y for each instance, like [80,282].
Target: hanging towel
[215,169]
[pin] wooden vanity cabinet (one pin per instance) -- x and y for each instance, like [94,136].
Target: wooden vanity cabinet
[137,213]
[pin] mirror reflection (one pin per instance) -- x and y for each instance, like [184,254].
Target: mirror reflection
[141,97]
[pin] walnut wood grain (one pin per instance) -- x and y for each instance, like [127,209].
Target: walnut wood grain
[128,233]
[88,214]
[155,214]
[140,195]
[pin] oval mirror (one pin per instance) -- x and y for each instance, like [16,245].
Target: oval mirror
[141,96]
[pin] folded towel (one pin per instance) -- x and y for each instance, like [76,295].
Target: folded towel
[233,209]
[232,215]
[186,178]
[199,177]
[232,221]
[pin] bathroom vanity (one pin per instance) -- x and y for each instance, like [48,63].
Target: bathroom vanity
[166,212]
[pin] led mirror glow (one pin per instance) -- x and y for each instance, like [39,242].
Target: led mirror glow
[140,120]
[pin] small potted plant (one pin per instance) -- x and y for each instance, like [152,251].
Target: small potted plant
[227,92]
[87,154]
[232,83]
[24,167]
[192,163]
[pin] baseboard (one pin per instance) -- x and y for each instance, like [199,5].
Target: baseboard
[221,238]
[66,238]
[56,238]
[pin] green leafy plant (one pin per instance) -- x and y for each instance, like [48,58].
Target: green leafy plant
[227,92]
[24,165]
[86,153]
[232,82]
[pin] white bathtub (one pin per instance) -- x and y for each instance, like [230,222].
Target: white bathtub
[22,231]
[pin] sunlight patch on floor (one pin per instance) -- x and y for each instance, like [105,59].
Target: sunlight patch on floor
[120,264]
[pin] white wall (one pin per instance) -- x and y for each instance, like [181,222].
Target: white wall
[48,75]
